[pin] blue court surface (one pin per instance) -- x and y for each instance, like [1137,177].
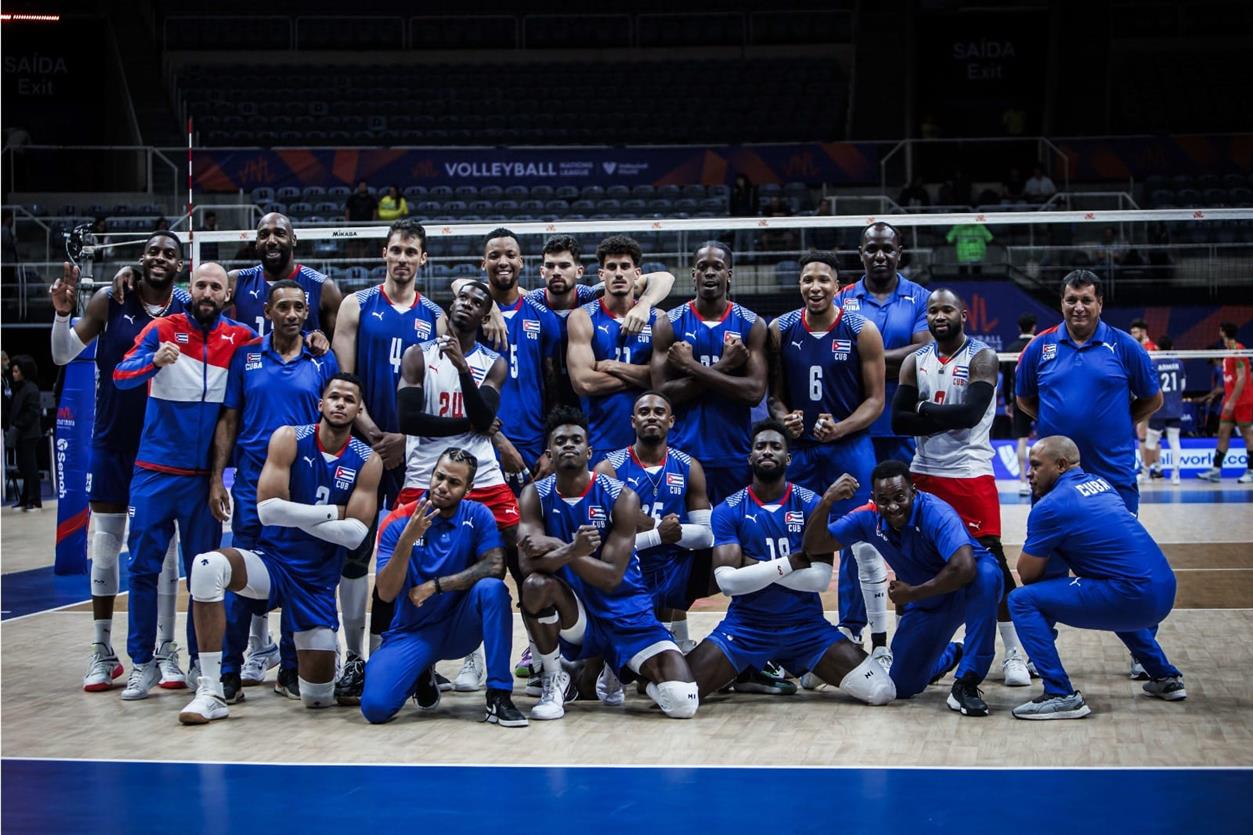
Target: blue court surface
[137,797]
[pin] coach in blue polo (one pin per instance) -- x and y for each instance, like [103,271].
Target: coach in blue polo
[1092,383]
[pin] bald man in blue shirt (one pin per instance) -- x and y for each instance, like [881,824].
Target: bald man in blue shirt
[1092,383]
[1121,583]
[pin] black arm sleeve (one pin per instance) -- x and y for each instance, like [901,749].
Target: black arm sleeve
[414,420]
[905,421]
[481,403]
[961,415]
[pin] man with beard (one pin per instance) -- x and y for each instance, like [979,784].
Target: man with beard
[944,579]
[275,380]
[373,330]
[827,390]
[709,358]
[898,308]
[774,581]
[608,364]
[449,583]
[947,400]
[449,397]
[317,495]
[674,536]
[275,245]
[116,321]
[584,596]
[183,359]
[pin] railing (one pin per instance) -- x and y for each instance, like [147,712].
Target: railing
[903,160]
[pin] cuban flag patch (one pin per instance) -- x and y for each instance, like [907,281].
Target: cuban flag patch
[674,479]
[596,513]
[252,362]
[730,336]
[1050,351]
[345,473]
[961,372]
[793,517]
[852,303]
[423,328]
[181,338]
[530,327]
[841,346]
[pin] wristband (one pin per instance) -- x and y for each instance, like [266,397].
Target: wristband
[438,589]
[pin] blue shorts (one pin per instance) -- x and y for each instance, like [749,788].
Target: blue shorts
[797,647]
[1162,424]
[723,482]
[817,466]
[245,524]
[111,472]
[620,641]
[308,604]
[676,581]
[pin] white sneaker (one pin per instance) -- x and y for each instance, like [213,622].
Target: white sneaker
[1212,474]
[884,656]
[172,677]
[1139,476]
[552,701]
[102,669]
[258,663]
[207,706]
[193,672]
[473,673]
[810,681]
[1247,478]
[143,678]
[1015,668]
[609,688]
[1174,479]
[1137,671]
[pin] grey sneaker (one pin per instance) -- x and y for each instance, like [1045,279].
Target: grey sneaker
[1212,474]
[1071,706]
[1247,478]
[1137,672]
[143,678]
[1171,689]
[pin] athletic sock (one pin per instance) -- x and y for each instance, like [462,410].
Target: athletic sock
[353,593]
[104,633]
[1219,455]
[211,668]
[551,661]
[1009,637]
[259,633]
[679,628]
[167,595]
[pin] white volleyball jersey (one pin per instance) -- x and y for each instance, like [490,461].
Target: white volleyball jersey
[957,453]
[442,387]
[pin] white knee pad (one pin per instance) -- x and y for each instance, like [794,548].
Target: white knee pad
[870,565]
[872,570]
[210,575]
[106,544]
[317,640]
[869,683]
[317,695]
[677,699]
[258,587]
[167,580]
[575,633]
[1151,437]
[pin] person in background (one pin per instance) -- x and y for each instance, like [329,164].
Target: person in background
[27,429]
[392,205]
[1022,422]
[361,205]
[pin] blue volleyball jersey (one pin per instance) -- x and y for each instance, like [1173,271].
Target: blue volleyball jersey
[1084,521]
[583,293]
[383,335]
[609,415]
[535,334]
[821,370]
[562,519]
[712,429]
[1174,380]
[252,289]
[449,546]
[322,477]
[271,393]
[661,492]
[767,532]
[119,420]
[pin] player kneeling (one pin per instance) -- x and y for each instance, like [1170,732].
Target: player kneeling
[444,560]
[584,595]
[313,503]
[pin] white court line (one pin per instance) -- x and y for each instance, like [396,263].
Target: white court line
[703,766]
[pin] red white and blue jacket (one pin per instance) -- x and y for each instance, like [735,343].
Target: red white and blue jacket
[184,398]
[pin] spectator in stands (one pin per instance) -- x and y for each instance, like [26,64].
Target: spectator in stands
[209,251]
[778,240]
[99,230]
[743,198]
[27,429]
[392,205]
[971,242]
[1012,188]
[914,195]
[1014,120]
[361,205]
[1040,187]
[1108,253]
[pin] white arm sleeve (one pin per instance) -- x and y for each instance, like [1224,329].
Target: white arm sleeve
[817,577]
[65,342]
[346,532]
[751,578]
[647,539]
[287,514]
[697,533]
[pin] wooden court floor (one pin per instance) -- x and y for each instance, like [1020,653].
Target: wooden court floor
[43,713]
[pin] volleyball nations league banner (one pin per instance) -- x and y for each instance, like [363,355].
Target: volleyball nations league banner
[76,415]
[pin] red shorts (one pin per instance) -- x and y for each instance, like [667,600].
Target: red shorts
[975,500]
[499,500]
[1242,413]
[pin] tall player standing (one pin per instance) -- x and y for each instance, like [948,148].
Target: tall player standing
[827,389]
[947,400]
[373,330]
[115,320]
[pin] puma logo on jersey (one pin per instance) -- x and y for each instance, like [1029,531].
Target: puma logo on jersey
[256,294]
[379,314]
[796,345]
[689,335]
[316,364]
[469,522]
[228,337]
[751,516]
[308,460]
[604,328]
[128,318]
